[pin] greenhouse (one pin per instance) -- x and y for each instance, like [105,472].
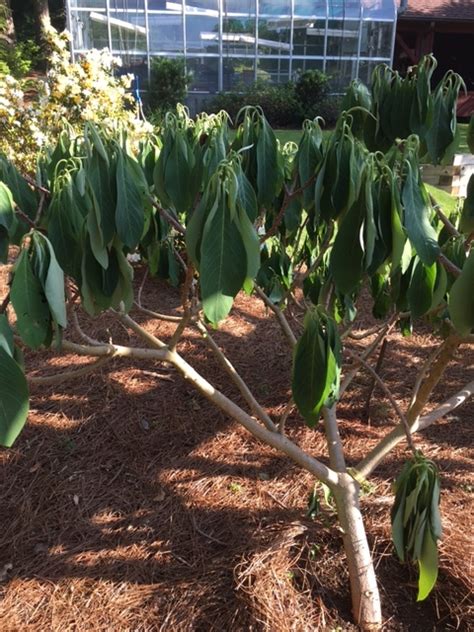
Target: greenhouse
[227,43]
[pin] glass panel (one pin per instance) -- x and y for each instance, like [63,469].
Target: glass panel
[344,8]
[274,36]
[366,69]
[343,37]
[341,72]
[310,8]
[89,32]
[300,65]
[377,39]
[275,7]
[202,34]
[273,70]
[128,31]
[126,5]
[379,9]
[136,66]
[90,4]
[238,72]
[238,7]
[204,73]
[239,36]
[308,37]
[166,32]
[200,6]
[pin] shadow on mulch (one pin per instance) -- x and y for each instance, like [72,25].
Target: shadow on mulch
[130,503]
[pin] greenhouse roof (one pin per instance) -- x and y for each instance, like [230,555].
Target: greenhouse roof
[439,9]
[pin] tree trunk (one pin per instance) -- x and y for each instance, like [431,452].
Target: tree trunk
[364,590]
[43,21]
[8,34]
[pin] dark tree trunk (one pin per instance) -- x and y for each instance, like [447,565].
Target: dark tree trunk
[43,21]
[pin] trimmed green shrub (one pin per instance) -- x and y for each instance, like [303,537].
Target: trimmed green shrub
[168,84]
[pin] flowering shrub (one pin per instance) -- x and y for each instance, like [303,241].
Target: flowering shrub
[73,92]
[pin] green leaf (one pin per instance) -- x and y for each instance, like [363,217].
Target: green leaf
[30,304]
[420,291]
[347,255]
[428,566]
[54,287]
[14,399]
[223,265]
[7,215]
[6,335]
[251,244]
[129,212]
[416,205]
[268,175]
[461,298]
[65,230]
[466,224]
[470,135]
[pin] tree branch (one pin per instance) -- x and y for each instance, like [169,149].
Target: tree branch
[449,226]
[69,375]
[166,317]
[391,398]
[448,265]
[386,445]
[236,378]
[335,447]
[168,217]
[280,316]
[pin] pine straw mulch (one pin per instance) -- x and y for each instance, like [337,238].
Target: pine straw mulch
[130,503]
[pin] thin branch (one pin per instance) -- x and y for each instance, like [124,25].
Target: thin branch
[391,398]
[387,328]
[236,378]
[118,351]
[449,226]
[187,314]
[284,417]
[386,445]
[168,217]
[448,265]
[39,212]
[140,289]
[166,317]
[24,217]
[378,367]
[278,219]
[298,282]
[69,375]
[280,316]
[35,185]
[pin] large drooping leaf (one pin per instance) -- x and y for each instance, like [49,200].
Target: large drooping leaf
[268,173]
[30,304]
[223,265]
[101,182]
[316,367]
[416,218]
[14,399]
[54,286]
[421,289]
[6,335]
[7,215]
[466,224]
[129,212]
[347,255]
[428,566]
[461,298]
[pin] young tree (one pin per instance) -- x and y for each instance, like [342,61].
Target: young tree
[307,225]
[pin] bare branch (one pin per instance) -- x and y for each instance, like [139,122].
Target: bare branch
[168,217]
[69,375]
[448,265]
[166,317]
[236,378]
[449,226]
[391,398]
[140,331]
[35,185]
[386,445]
[280,316]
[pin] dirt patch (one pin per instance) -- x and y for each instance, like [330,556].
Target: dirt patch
[130,503]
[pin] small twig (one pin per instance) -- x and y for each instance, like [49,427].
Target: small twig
[24,217]
[206,535]
[68,375]
[75,321]
[388,393]
[378,366]
[166,317]
[280,316]
[187,314]
[168,217]
[39,212]
[35,185]
[284,417]
[140,289]
[450,227]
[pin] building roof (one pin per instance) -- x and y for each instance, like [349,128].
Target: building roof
[439,9]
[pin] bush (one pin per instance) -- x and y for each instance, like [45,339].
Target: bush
[285,105]
[277,101]
[311,89]
[168,84]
